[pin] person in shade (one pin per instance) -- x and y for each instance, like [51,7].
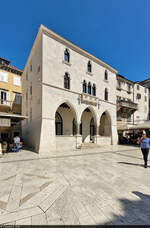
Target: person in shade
[145,145]
[16,143]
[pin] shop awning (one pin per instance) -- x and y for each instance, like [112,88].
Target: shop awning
[135,126]
[13,117]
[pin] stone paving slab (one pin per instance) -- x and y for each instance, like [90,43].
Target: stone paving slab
[102,186]
[18,215]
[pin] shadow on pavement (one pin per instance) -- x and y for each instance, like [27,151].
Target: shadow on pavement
[135,164]
[135,212]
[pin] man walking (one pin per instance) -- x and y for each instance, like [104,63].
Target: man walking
[16,143]
[145,145]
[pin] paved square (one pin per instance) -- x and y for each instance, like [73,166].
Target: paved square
[90,186]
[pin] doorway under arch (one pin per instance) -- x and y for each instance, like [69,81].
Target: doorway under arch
[105,125]
[65,120]
[88,126]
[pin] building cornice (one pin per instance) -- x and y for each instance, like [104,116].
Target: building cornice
[62,40]
[121,78]
[11,69]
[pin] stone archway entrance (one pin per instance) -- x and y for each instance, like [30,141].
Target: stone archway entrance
[87,126]
[105,133]
[65,126]
[105,125]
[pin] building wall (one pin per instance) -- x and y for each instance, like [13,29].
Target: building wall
[11,89]
[123,93]
[54,70]
[32,99]
[142,114]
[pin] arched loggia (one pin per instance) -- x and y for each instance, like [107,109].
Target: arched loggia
[88,125]
[65,120]
[105,125]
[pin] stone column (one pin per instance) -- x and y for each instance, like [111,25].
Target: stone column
[97,134]
[78,137]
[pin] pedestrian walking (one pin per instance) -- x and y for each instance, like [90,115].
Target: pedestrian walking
[16,143]
[145,145]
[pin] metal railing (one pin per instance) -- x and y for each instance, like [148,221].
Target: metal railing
[5,102]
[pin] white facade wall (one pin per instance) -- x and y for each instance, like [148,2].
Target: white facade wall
[142,114]
[32,104]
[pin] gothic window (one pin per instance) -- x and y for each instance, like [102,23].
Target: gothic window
[66,81]
[58,124]
[94,90]
[84,87]
[89,67]
[66,56]
[106,75]
[106,95]
[89,88]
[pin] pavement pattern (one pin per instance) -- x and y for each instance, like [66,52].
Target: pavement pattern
[101,186]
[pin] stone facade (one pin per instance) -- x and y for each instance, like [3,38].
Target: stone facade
[132,103]
[141,97]
[61,116]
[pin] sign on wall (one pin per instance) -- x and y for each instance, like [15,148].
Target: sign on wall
[5,122]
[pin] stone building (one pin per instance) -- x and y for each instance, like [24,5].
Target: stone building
[69,96]
[132,104]
[146,83]
[10,99]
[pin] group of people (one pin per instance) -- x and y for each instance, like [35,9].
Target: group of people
[12,146]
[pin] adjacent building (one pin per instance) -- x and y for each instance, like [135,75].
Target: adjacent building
[69,96]
[146,83]
[10,100]
[132,104]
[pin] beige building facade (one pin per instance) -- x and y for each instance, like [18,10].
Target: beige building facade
[68,95]
[10,100]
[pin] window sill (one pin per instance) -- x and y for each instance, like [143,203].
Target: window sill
[4,81]
[89,73]
[106,81]
[69,64]
[17,85]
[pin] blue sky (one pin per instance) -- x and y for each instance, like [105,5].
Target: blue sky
[115,31]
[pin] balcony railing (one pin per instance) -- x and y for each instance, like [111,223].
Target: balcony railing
[88,99]
[5,102]
[127,104]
